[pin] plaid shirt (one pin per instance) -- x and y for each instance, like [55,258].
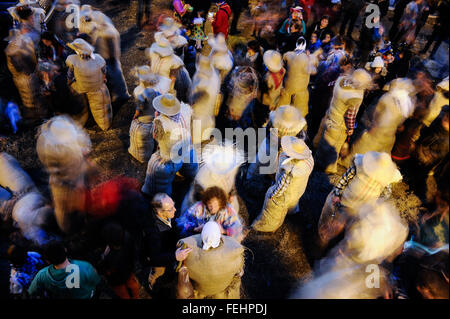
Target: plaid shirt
[350,116]
[281,185]
[344,180]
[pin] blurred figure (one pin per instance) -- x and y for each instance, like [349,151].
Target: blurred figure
[87,76]
[24,266]
[63,147]
[172,131]
[300,66]
[141,136]
[339,121]
[117,261]
[440,29]
[143,15]
[205,92]
[294,167]
[221,58]
[351,10]
[273,79]
[392,109]
[364,181]
[105,38]
[23,65]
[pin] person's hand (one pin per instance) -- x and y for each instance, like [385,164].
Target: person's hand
[136,114]
[198,229]
[181,254]
[335,200]
[350,132]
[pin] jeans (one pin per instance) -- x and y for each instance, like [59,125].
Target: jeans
[143,10]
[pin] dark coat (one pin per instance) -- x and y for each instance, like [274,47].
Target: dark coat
[160,243]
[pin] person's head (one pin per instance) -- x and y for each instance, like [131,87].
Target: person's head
[113,234]
[431,284]
[313,38]
[253,47]
[215,199]
[327,38]
[17,255]
[47,38]
[25,13]
[324,21]
[345,64]
[297,27]
[338,42]
[164,206]
[55,253]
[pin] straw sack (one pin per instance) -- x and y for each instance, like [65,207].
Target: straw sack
[212,271]
[13,176]
[141,138]
[100,105]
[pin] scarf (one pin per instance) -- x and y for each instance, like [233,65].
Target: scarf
[278,77]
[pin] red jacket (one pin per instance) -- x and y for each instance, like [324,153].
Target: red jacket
[307,6]
[220,23]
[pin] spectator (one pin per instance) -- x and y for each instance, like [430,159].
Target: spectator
[24,266]
[213,206]
[160,240]
[117,261]
[321,28]
[53,281]
[351,10]
[221,19]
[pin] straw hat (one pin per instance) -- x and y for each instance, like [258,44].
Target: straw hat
[157,82]
[380,167]
[222,159]
[272,59]
[140,70]
[400,84]
[217,44]
[361,79]
[161,45]
[13,33]
[81,47]
[167,104]
[443,84]
[169,27]
[295,147]
[377,62]
[288,120]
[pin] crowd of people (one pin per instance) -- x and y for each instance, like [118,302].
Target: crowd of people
[359,106]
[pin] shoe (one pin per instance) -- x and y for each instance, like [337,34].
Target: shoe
[235,32]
